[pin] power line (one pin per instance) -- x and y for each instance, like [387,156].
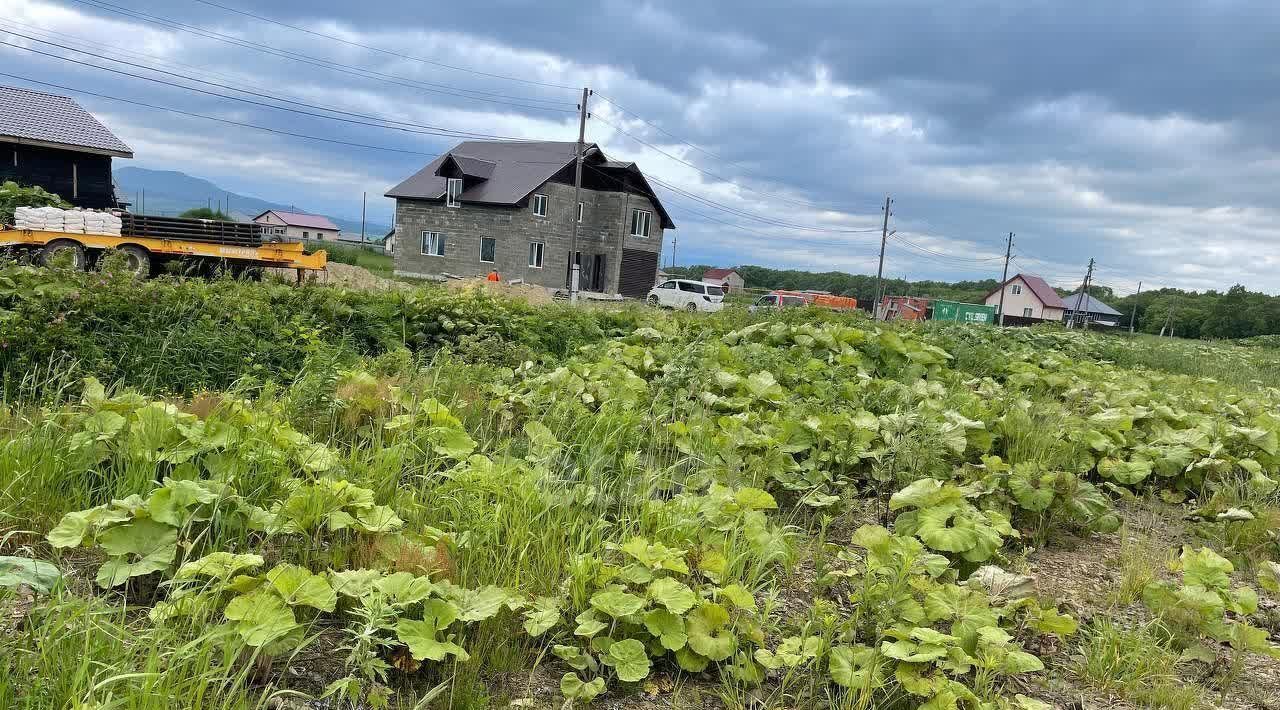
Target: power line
[361,72]
[698,148]
[951,257]
[721,178]
[387,52]
[192,114]
[425,130]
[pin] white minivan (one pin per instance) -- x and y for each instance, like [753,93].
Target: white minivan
[687,295]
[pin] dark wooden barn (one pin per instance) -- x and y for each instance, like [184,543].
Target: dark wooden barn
[51,141]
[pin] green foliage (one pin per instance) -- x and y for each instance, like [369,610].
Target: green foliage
[13,196]
[205,213]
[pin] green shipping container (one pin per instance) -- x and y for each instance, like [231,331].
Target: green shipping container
[963,312]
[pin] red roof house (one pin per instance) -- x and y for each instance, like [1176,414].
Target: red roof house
[1028,296]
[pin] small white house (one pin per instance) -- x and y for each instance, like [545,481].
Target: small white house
[293,226]
[1027,296]
[389,243]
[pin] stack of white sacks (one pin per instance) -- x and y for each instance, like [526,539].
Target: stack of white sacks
[52,219]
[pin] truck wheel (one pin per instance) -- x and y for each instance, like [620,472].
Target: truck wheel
[66,251]
[135,259]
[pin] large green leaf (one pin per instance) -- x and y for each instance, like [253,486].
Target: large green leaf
[708,635]
[617,603]
[856,667]
[261,617]
[667,627]
[572,687]
[299,587]
[1206,568]
[675,596]
[219,565]
[39,575]
[425,643]
[629,660]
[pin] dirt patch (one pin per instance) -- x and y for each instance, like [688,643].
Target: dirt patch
[529,293]
[349,276]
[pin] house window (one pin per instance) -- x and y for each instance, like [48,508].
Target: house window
[453,197]
[535,254]
[582,208]
[1026,312]
[1016,289]
[278,230]
[432,244]
[488,249]
[540,205]
[640,223]
[306,235]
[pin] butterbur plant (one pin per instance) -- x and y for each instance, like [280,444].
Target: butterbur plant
[1198,612]
[654,607]
[941,516]
[141,536]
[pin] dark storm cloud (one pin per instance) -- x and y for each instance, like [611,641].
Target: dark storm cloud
[1138,133]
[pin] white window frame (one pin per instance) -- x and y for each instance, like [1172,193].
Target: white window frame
[582,209]
[541,251]
[1016,289]
[494,260]
[540,200]
[453,198]
[648,222]
[436,243]
[1026,312]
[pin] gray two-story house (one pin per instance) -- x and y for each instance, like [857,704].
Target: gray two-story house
[507,206]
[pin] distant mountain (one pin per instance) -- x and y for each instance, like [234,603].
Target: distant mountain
[169,192]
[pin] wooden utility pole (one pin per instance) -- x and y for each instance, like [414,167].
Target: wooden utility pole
[1008,251]
[1081,298]
[884,238]
[674,241]
[575,269]
[364,208]
[1134,314]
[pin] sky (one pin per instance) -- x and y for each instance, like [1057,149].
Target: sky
[1139,134]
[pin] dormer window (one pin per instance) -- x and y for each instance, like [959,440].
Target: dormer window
[453,196]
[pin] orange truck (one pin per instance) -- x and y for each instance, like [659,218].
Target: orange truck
[792,299]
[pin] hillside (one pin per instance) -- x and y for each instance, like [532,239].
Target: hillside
[171,192]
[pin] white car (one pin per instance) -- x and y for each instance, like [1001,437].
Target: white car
[687,295]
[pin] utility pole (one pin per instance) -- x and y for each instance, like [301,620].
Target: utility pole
[1008,251]
[229,207]
[1081,299]
[364,205]
[674,241]
[1134,315]
[884,238]
[575,269]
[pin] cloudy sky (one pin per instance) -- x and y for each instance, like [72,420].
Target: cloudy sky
[1141,134]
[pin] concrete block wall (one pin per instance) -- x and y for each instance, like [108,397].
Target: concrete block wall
[604,229]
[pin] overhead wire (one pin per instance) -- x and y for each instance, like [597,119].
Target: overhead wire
[421,129]
[362,72]
[716,176]
[700,149]
[380,50]
[192,114]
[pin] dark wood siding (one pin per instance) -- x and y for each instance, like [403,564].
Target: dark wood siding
[639,269]
[83,179]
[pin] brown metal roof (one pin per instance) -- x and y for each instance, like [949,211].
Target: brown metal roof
[1041,288]
[509,172]
[37,118]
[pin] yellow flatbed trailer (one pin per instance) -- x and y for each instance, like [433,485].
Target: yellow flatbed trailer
[282,255]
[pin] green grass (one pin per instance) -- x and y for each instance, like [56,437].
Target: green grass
[590,428]
[1136,664]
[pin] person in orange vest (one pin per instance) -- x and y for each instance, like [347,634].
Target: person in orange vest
[493,276]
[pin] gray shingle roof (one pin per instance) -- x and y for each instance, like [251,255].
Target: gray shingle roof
[1091,304]
[509,171]
[35,117]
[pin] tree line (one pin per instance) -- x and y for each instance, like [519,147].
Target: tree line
[1235,313]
